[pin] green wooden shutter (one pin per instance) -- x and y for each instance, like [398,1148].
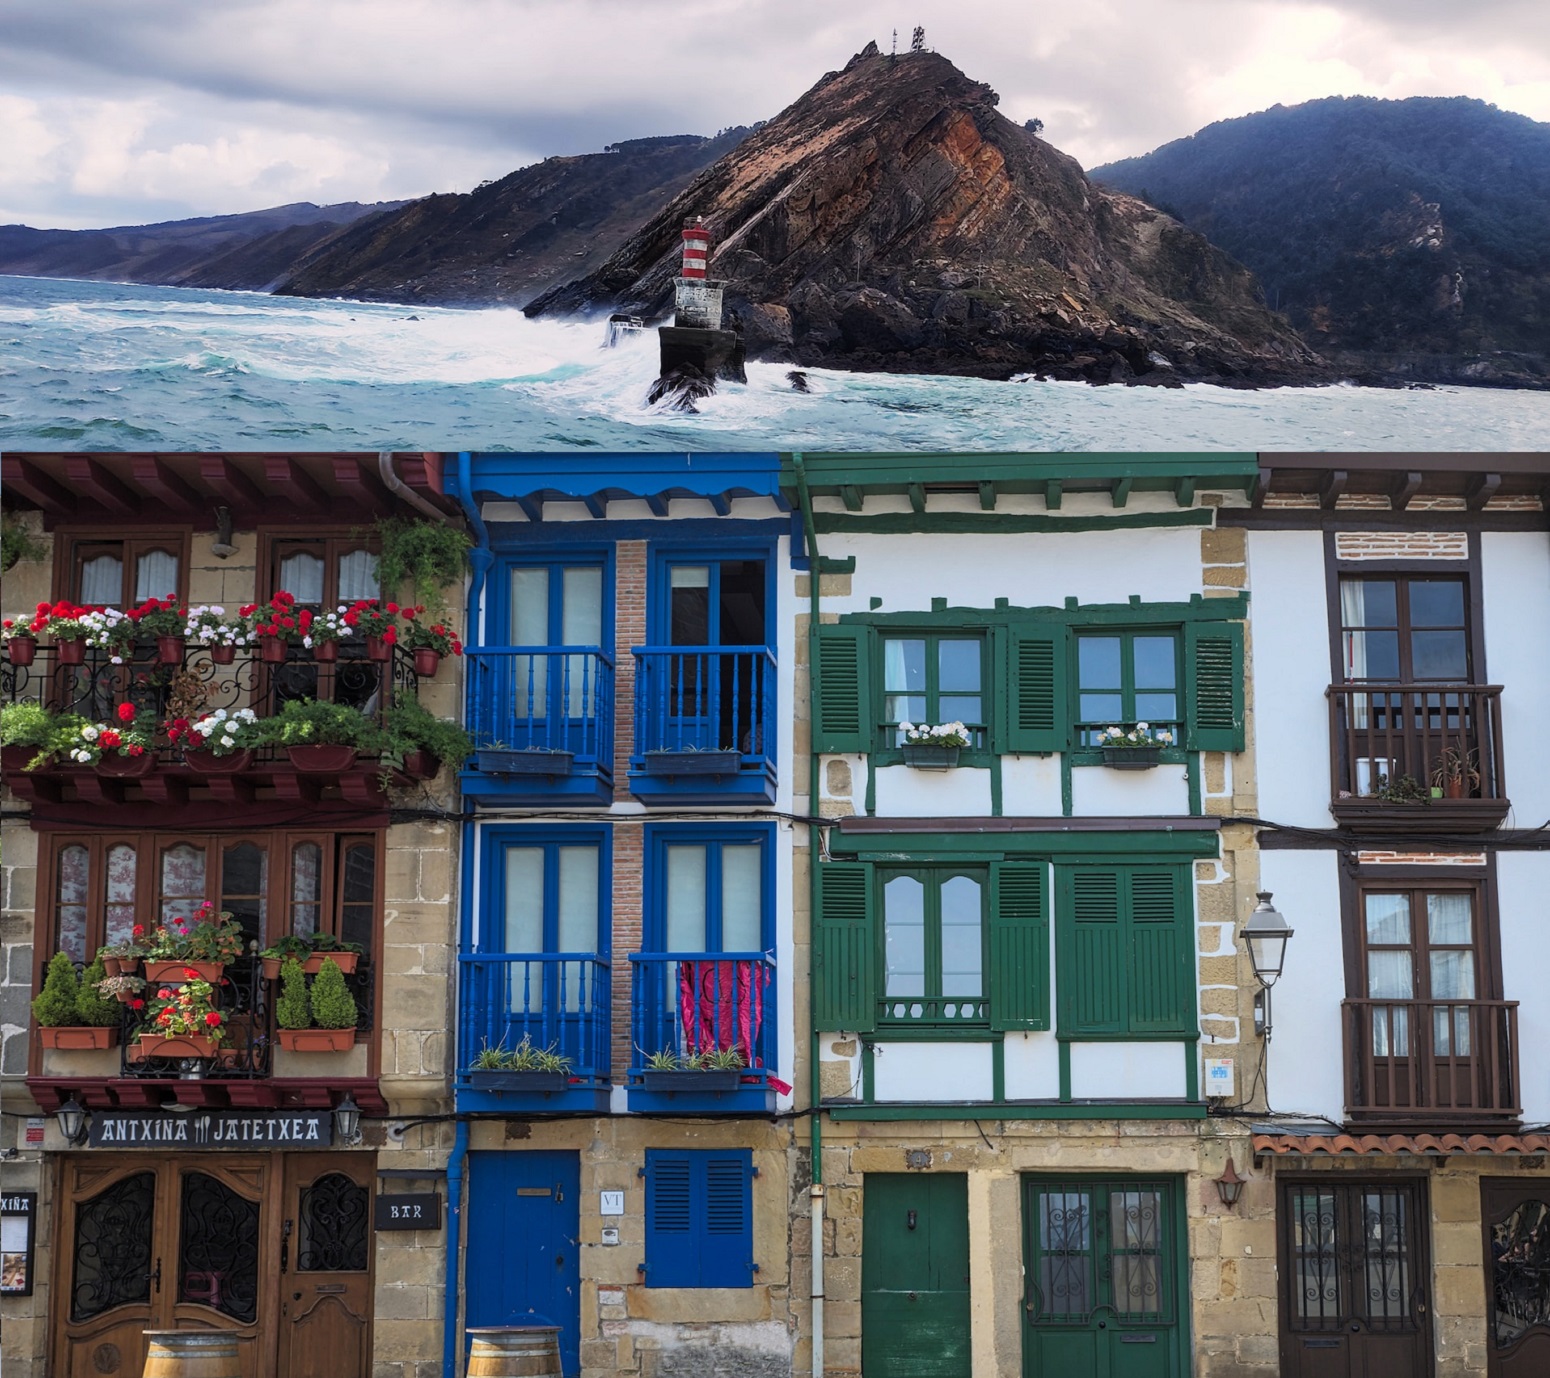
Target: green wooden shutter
[1213,668]
[1161,991]
[1017,956]
[1091,980]
[844,953]
[1038,719]
[842,690]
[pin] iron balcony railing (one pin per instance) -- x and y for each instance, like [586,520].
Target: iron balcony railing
[543,698]
[1447,736]
[556,1001]
[695,1003]
[705,699]
[1425,1060]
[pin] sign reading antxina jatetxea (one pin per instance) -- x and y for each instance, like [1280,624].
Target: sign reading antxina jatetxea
[203,1129]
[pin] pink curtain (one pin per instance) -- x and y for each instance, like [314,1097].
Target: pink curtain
[721,1004]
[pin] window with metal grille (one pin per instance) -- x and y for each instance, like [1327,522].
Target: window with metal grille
[699,1218]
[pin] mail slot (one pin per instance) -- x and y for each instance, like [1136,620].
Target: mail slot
[535,1191]
[1138,1339]
[1321,1344]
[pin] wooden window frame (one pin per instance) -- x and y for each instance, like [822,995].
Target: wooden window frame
[1404,629]
[888,751]
[70,543]
[1415,884]
[334,542]
[932,877]
[1178,725]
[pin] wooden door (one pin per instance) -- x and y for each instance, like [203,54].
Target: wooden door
[1517,1260]
[325,1266]
[915,1276]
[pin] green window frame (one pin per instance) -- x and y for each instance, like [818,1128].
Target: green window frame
[932,960]
[906,680]
[1138,674]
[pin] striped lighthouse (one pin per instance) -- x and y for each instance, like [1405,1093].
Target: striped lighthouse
[697,303]
[696,247]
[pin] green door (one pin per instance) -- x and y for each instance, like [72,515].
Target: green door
[1105,1268]
[915,1276]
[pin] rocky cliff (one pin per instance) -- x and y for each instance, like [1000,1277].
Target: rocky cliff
[891,219]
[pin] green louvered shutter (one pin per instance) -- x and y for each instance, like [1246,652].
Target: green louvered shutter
[1213,668]
[844,954]
[1160,994]
[842,692]
[1037,719]
[1092,964]
[1017,972]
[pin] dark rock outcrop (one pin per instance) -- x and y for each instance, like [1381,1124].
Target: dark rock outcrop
[892,220]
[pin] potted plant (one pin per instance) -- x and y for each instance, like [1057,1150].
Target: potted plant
[418,743]
[1401,789]
[218,743]
[166,620]
[430,641]
[193,949]
[31,736]
[65,624]
[329,950]
[499,759]
[1456,774]
[320,738]
[429,556]
[125,988]
[274,625]
[21,642]
[719,1069]
[122,959]
[207,626]
[523,1068]
[58,1013]
[933,748]
[1133,748]
[290,947]
[333,1012]
[378,623]
[183,1022]
[126,750]
[322,634]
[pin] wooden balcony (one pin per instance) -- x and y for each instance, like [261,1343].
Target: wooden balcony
[1432,1062]
[1391,747]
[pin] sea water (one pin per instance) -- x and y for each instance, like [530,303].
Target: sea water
[87,365]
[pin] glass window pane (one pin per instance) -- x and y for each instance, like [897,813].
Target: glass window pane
[1439,655]
[1156,663]
[581,615]
[1453,976]
[1098,660]
[524,899]
[958,666]
[119,911]
[1450,919]
[961,708]
[301,576]
[689,605]
[742,875]
[1390,976]
[1101,708]
[1388,919]
[102,579]
[962,950]
[904,929]
[1436,603]
[245,886]
[74,885]
[530,607]
[358,576]
[578,899]
[306,887]
[156,575]
[1368,603]
[1372,655]
[182,881]
[904,666]
[1157,708]
[686,899]
[356,918]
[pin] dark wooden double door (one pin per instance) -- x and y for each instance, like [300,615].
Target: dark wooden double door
[1517,1261]
[275,1248]
[1355,1274]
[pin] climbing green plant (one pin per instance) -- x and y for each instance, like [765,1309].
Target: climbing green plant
[19,543]
[430,556]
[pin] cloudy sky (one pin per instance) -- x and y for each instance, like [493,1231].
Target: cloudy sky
[128,111]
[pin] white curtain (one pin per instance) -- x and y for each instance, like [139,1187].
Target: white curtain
[686,930]
[306,888]
[102,580]
[1390,974]
[530,627]
[301,576]
[741,895]
[524,899]
[581,624]
[358,577]
[156,575]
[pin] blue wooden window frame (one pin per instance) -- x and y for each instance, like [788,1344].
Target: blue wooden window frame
[496,623]
[712,837]
[662,556]
[699,1217]
[488,936]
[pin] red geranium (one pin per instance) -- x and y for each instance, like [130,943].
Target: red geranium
[213,1019]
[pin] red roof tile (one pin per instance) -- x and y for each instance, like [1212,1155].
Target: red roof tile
[1434,1145]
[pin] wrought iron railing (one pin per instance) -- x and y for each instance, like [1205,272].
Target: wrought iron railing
[1446,1060]
[1443,735]
[543,698]
[706,699]
[692,1003]
[556,1001]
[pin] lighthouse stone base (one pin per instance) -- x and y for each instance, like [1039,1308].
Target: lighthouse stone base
[714,353]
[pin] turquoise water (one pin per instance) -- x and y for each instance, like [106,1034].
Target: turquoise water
[105,366]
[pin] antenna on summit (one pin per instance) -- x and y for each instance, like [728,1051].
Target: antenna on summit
[893,53]
[918,39]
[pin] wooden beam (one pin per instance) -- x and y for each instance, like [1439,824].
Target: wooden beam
[37,487]
[165,486]
[1184,492]
[1052,494]
[657,503]
[297,487]
[1482,488]
[1259,488]
[918,496]
[532,507]
[1119,491]
[359,485]
[94,480]
[988,497]
[1406,486]
[243,495]
[1332,487]
[855,499]
[596,504]
[721,504]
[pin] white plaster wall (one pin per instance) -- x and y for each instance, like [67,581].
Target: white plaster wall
[828,1051]
[1032,570]
[1289,624]
[903,792]
[1030,786]
[1032,1066]
[1306,1066]
[1515,567]
[1523,884]
[856,799]
[932,1071]
[1129,1071]
[1099,792]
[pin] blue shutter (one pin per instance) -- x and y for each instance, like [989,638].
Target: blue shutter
[699,1218]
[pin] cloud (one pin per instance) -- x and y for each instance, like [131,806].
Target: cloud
[213,108]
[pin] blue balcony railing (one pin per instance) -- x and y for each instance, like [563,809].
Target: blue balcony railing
[714,701]
[558,1001]
[543,698]
[689,1003]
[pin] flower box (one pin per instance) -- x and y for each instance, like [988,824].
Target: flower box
[347,962]
[495,761]
[169,650]
[21,650]
[711,1079]
[378,648]
[546,1083]
[15,759]
[923,757]
[321,760]
[325,652]
[174,973]
[177,1045]
[223,654]
[208,763]
[78,1037]
[421,764]
[119,767]
[1132,757]
[692,762]
[316,1040]
[71,652]
[271,649]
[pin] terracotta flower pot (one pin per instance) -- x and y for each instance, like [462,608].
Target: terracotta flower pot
[325,652]
[271,967]
[176,1045]
[169,650]
[16,758]
[347,962]
[316,1040]
[1454,787]
[321,760]
[114,966]
[78,1038]
[426,659]
[378,649]
[174,971]
[71,652]
[421,765]
[126,767]
[271,650]
[223,655]
[208,763]
[125,997]
[21,650]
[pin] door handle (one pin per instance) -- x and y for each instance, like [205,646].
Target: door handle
[910,1218]
[156,1277]
[559,1260]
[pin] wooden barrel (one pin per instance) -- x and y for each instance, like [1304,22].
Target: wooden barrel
[191,1354]
[514,1351]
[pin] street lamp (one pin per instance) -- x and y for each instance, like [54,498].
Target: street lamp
[1265,935]
[1229,1186]
[72,1121]
[347,1119]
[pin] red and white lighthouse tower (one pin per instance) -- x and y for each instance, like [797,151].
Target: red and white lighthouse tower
[697,303]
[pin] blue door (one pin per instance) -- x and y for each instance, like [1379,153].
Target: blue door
[523,1265]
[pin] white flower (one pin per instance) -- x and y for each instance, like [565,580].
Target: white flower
[1142,727]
